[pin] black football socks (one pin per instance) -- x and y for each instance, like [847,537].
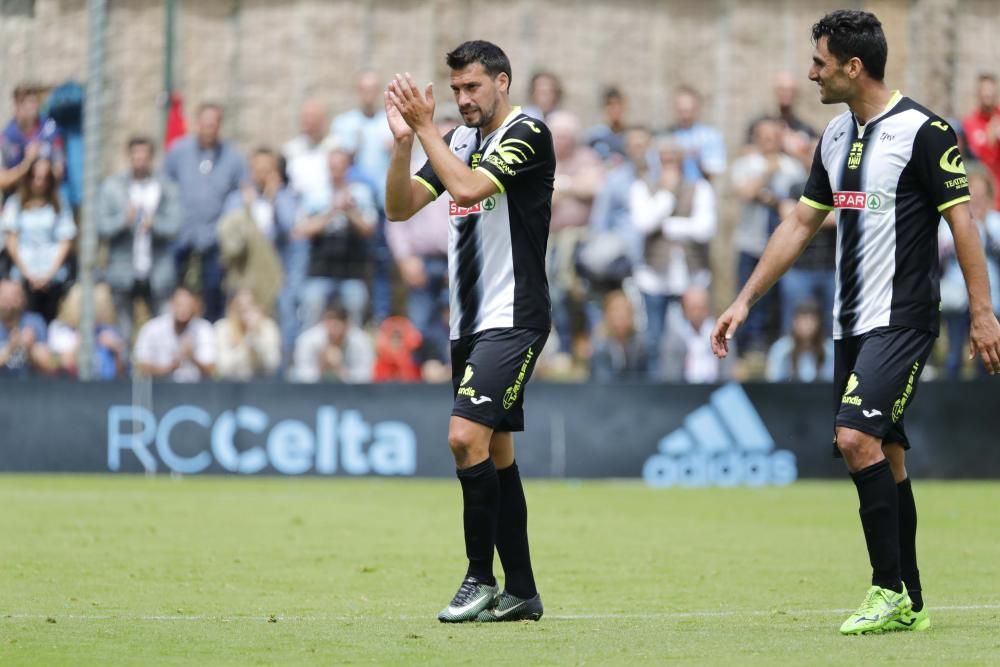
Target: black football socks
[908,543]
[512,535]
[481,496]
[879,510]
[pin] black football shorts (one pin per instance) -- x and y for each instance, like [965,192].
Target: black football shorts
[489,372]
[875,379]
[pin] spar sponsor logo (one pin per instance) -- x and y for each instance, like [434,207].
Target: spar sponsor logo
[857,200]
[461,211]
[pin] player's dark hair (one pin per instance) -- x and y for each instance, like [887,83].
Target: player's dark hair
[487,54]
[852,33]
[141,140]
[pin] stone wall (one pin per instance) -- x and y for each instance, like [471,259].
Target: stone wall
[262,58]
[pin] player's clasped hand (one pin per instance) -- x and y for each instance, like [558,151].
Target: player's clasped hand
[725,328]
[984,340]
[416,109]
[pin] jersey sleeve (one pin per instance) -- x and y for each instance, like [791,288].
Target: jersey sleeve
[526,149]
[426,176]
[939,164]
[818,193]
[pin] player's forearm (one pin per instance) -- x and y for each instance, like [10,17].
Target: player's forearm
[398,195]
[786,244]
[458,179]
[972,261]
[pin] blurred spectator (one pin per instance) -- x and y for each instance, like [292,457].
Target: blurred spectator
[206,170]
[608,137]
[814,274]
[338,226]
[306,153]
[687,351]
[704,149]
[39,229]
[177,345]
[420,248]
[677,218]
[396,346]
[248,341]
[27,137]
[334,350]
[619,351]
[805,354]
[612,212]
[544,94]
[269,201]
[797,135]
[138,216]
[762,180]
[257,223]
[23,349]
[578,177]
[954,296]
[982,128]
[364,133]
[435,353]
[64,339]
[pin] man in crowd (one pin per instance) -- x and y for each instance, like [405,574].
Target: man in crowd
[704,149]
[138,218]
[982,128]
[206,170]
[333,350]
[23,351]
[28,136]
[608,137]
[177,345]
[306,154]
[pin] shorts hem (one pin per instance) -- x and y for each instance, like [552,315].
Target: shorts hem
[498,425]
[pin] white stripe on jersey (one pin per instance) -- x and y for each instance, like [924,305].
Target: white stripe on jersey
[884,159]
[496,296]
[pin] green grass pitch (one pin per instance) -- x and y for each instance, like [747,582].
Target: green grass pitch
[128,570]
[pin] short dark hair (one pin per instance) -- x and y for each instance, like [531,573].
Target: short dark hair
[210,106]
[852,33]
[987,76]
[335,310]
[140,140]
[26,89]
[487,54]
[612,93]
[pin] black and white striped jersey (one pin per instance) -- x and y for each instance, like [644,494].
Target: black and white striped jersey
[496,249]
[889,180]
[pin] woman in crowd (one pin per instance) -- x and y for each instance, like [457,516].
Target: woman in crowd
[805,354]
[249,341]
[40,231]
[64,336]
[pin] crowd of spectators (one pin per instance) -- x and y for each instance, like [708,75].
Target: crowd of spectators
[280,263]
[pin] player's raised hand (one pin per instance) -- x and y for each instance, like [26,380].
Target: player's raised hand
[400,130]
[725,328]
[416,108]
[984,341]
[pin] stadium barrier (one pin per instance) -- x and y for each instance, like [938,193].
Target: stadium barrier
[669,435]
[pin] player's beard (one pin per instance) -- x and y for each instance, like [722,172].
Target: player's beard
[485,117]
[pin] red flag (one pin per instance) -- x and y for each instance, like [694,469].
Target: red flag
[176,127]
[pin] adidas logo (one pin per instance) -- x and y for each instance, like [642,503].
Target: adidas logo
[724,443]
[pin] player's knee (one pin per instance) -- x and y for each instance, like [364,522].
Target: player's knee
[465,446]
[859,449]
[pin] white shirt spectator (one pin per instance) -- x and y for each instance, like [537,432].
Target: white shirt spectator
[308,174]
[144,196]
[159,344]
[357,356]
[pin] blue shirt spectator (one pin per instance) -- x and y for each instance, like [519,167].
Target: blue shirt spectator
[704,148]
[22,334]
[365,133]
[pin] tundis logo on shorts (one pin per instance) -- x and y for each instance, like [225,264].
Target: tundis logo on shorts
[857,200]
[460,211]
